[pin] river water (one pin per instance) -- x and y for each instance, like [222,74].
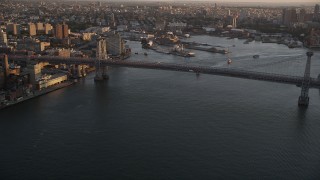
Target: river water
[153,124]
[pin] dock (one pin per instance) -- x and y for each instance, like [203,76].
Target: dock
[38,93]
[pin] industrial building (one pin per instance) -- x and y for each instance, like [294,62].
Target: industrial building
[50,80]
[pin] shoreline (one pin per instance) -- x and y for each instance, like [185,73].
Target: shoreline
[39,93]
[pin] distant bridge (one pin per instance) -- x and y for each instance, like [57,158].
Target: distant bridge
[305,81]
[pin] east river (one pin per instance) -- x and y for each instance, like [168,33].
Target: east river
[153,124]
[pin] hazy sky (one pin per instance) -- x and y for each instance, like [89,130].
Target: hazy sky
[262,1]
[302,2]
[278,2]
[288,2]
[274,1]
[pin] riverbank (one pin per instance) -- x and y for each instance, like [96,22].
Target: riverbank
[38,93]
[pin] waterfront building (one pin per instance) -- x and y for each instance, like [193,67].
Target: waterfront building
[34,70]
[61,31]
[289,16]
[50,80]
[32,29]
[13,29]
[3,38]
[115,45]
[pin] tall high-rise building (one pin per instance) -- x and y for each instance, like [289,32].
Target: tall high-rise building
[13,29]
[302,15]
[32,29]
[115,45]
[289,16]
[101,52]
[47,28]
[35,72]
[234,21]
[3,38]
[40,27]
[61,31]
[316,9]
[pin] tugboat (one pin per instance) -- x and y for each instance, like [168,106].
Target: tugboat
[255,56]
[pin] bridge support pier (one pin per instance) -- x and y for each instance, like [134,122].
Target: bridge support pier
[98,76]
[101,72]
[303,101]
[104,72]
[304,97]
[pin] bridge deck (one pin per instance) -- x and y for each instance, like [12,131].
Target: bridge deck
[231,72]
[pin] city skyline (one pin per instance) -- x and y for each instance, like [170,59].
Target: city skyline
[219,1]
[225,2]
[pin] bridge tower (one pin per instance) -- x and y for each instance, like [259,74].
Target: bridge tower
[101,54]
[98,76]
[304,98]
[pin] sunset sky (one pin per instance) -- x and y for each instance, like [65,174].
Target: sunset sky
[300,2]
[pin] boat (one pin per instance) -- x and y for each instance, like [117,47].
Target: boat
[229,61]
[255,56]
[146,54]
[190,54]
[136,53]
[179,51]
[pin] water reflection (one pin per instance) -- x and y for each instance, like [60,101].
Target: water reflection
[302,113]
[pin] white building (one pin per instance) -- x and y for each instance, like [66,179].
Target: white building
[50,80]
[3,38]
